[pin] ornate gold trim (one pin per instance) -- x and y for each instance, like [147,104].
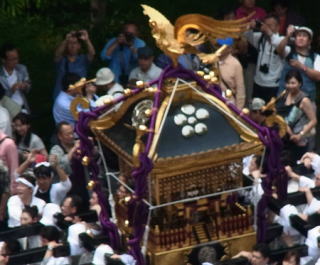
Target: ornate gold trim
[184,93]
[82,101]
[188,94]
[108,121]
[247,235]
[196,161]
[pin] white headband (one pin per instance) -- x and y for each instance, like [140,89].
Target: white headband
[25,182]
[46,164]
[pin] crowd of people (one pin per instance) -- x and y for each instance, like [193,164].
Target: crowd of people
[273,59]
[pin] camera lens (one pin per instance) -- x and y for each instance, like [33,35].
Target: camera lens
[264,68]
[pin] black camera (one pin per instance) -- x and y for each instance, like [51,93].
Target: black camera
[60,222]
[129,37]
[77,35]
[258,25]
[89,217]
[264,68]
[91,243]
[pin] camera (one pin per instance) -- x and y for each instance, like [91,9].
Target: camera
[60,222]
[77,35]
[258,25]
[89,217]
[264,68]
[129,37]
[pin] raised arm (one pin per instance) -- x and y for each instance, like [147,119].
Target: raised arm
[308,193]
[281,48]
[87,41]
[55,164]
[240,88]
[62,47]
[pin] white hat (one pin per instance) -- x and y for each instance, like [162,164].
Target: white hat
[306,29]
[99,254]
[49,210]
[104,76]
[257,104]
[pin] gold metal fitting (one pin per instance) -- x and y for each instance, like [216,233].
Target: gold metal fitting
[228,93]
[245,111]
[108,101]
[126,223]
[127,92]
[200,73]
[212,74]
[85,161]
[148,112]
[91,184]
[127,199]
[140,84]
[151,89]
[214,79]
[207,77]
[142,127]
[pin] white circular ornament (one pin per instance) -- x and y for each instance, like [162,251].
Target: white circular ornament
[201,128]
[202,114]
[180,119]
[187,131]
[192,120]
[188,109]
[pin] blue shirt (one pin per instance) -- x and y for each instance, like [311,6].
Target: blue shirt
[61,108]
[122,60]
[79,67]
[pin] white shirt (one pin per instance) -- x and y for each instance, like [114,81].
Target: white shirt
[302,59]
[35,143]
[306,182]
[73,238]
[246,164]
[315,164]
[313,207]
[267,56]
[152,74]
[15,207]
[13,79]
[56,261]
[58,191]
[5,121]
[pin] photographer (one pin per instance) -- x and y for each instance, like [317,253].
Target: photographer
[146,70]
[121,52]
[300,56]
[269,63]
[68,58]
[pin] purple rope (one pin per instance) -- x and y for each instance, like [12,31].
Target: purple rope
[86,146]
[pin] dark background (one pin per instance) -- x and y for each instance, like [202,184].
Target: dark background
[36,27]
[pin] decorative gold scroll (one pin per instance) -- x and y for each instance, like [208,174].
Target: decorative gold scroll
[190,31]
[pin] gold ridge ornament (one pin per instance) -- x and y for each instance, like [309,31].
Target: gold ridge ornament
[91,184]
[78,101]
[85,161]
[189,31]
